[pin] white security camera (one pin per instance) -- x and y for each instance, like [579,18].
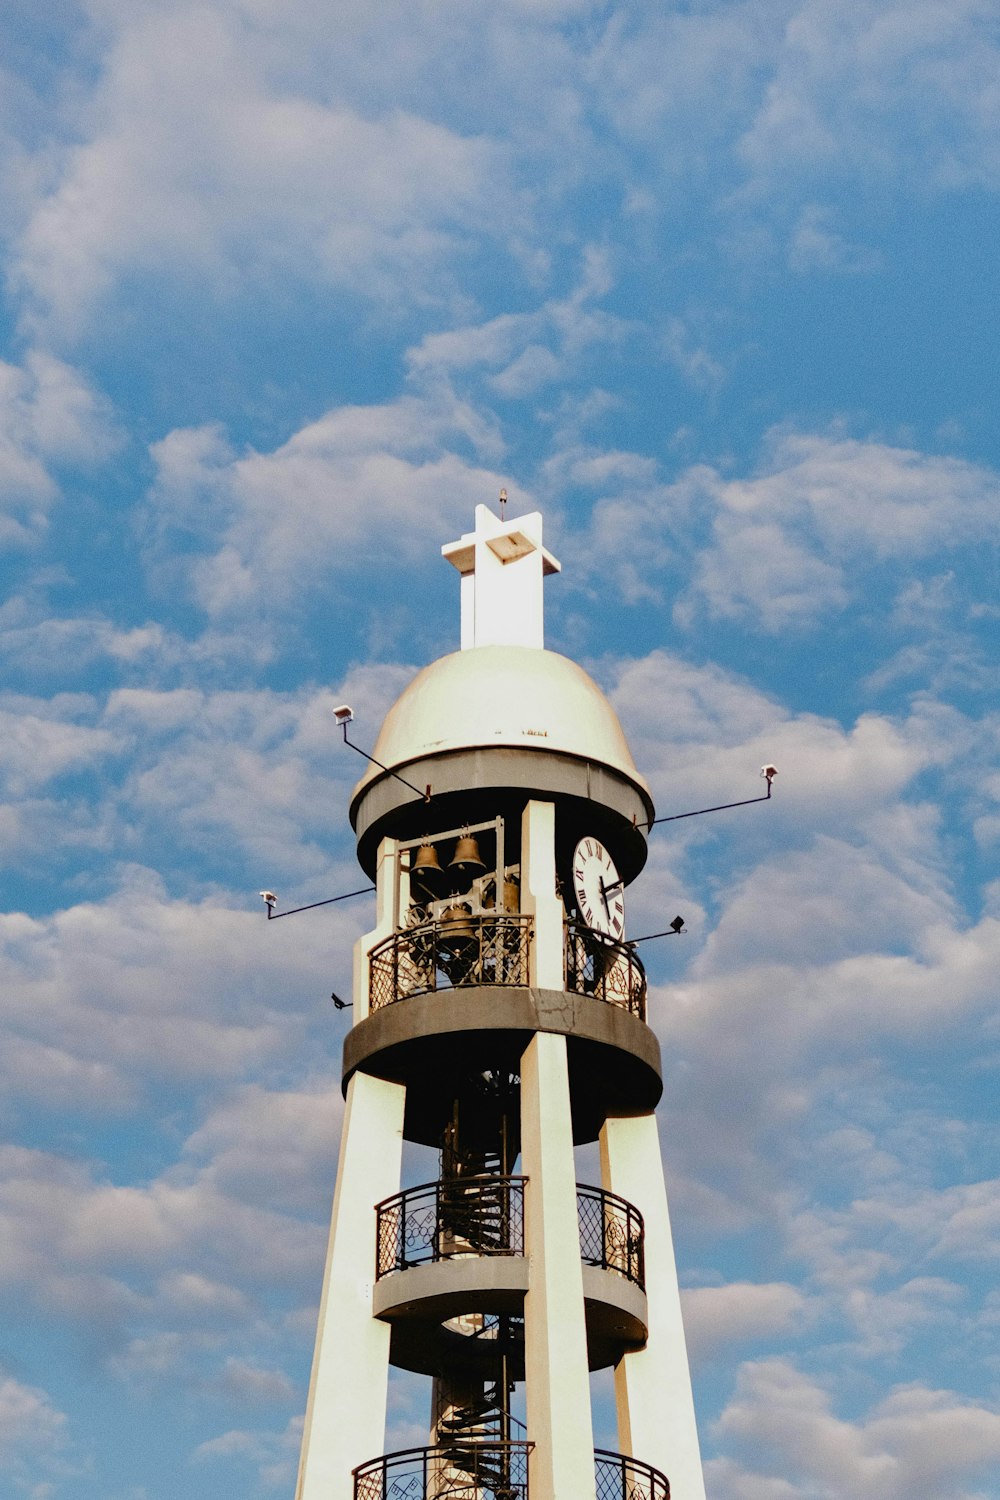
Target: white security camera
[344,714]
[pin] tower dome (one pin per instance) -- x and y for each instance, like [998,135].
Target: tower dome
[520,696]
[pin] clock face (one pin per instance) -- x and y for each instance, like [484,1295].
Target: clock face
[598,888]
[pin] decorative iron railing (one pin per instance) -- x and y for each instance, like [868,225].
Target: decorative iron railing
[484,1215]
[611,1233]
[621,1478]
[610,971]
[456,1216]
[492,1470]
[477,1470]
[459,949]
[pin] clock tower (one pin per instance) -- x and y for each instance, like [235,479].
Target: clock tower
[500,1020]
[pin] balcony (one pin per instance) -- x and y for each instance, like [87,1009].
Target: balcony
[469,1470]
[460,1216]
[492,1470]
[485,1216]
[611,1234]
[443,955]
[621,1478]
[461,950]
[605,969]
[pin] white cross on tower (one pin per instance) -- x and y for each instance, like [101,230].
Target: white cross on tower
[502,564]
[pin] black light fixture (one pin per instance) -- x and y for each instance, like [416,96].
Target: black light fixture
[674,930]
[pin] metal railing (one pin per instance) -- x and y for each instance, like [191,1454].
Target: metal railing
[442,955]
[489,1470]
[484,1215]
[621,1478]
[455,1216]
[599,966]
[487,950]
[492,1470]
[611,1233]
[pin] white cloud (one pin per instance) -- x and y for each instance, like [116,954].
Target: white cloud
[39,741]
[251,533]
[49,416]
[104,998]
[523,352]
[39,643]
[848,80]
[790,545]
[825,522]
[718,1316]
[699,732]
[118,1257]
[816,244]
[959,1223]
[788,1442]
[251,1385]
[275,1454]
[28,1418]
[278,1147]
[198,148]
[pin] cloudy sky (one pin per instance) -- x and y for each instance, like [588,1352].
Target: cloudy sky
[288,287]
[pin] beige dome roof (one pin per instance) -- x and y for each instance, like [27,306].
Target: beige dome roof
[503,695]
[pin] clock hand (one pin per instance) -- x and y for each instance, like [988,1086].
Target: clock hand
[604,894]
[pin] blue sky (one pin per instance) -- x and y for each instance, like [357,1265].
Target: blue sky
[287,290]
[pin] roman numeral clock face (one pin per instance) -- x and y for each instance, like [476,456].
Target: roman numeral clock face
[598,888]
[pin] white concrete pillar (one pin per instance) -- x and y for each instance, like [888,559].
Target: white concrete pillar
[345,1415]
[656,1421]
[387,899]
[538,896]
[557,1380]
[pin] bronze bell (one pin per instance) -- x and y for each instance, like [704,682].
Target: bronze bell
[426,871]
[466,859]
[456,928]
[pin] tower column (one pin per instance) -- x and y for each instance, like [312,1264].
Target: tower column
[555,1333]
[388,880]
[655,1405]
[345,1415]
[538,896]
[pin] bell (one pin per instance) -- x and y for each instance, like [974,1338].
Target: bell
[466,858]
[426,871]
[455,929]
